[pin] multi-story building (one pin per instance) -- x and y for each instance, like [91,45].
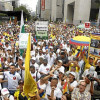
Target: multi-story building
[50,9]
[8,5]
[70,11]
[2,7]
[78,11]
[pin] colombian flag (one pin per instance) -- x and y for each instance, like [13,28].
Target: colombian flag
[65,88]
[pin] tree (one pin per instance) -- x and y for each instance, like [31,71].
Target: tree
[97,2]
[25,10]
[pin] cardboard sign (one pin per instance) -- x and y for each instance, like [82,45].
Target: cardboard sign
[87,24]
[94,48]
[23,39]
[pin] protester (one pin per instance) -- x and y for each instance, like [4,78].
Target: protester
[80,93]
[13,78]
[19,94]
[56,65]
[5,95]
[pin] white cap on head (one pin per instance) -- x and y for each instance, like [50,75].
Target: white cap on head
[33,58]
[21,58]
[4,91]
[60,61]
[73,73]
[51,47]
[98,61]
[91,70]
[61,69]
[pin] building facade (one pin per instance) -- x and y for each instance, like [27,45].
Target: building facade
[51,10]
[8,5]
[70,11]
[78,11]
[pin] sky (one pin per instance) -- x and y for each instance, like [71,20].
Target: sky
[30,4]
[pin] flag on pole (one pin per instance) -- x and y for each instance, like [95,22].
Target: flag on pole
[22,30]
[26,19]
[30,85]
[10,21]
[35,39]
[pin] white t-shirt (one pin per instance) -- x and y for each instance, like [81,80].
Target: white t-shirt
[44,69]
[86,72]
[73,84]
[12,80]
[61,69]
[50,60]
[34,75]
[35,65]
[57,92]
[43,87]
[38,57]
[10,98]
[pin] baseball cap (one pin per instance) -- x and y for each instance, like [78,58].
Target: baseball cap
[21,58]
[4,91]
[91,70]
[91,57]
[60,61]
[73,73]
[31,94]
[61,69]
[33,58]
[98,61]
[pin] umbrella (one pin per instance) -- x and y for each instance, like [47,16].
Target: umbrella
[81,26]
[80,41]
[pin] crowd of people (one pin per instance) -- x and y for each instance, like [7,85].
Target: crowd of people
[59,72]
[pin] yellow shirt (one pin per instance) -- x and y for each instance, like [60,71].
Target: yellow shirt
[16,94]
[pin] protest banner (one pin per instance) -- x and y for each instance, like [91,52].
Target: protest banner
[23,39]
[94,48]
[41,28]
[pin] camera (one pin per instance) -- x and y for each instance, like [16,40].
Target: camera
[91,78]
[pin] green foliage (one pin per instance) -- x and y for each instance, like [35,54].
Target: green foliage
[97,2]
[25,10]
[2,14]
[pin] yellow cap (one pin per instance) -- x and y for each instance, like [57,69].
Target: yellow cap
[31,94]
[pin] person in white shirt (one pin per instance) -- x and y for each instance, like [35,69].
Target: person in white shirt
[33,63]
[35,74]
[52,91]
[5,95]
[50,58]
[44,68]
[13,78]
[71,84]
[90,71]
[68,47]
[39,55]
[70,56]
[64,45]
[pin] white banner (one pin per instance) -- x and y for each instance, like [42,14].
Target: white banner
[23,39]
[41,26]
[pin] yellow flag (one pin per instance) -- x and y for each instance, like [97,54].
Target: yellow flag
[26,19]
[30,85]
